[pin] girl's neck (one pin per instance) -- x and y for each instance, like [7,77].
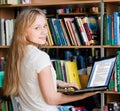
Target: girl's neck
[32,43]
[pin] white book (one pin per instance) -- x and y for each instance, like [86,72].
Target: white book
[2,31]
[12,1]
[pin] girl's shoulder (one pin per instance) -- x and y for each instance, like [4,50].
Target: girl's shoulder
[34,51]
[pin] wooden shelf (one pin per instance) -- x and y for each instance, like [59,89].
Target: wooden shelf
[111,92]
[7,47]
[113,1]
[71,47]
[52,3]
[109,46]
[86,13]
[4,47]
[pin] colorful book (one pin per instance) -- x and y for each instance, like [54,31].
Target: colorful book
[87,29]
[118,70]
[107,29]
[49,36]
[69,22]
[72,73]
[58,38]
[60,31]
[82,31]
[65,33]
[69,30]
[94,29]
[116,28]
[76,35]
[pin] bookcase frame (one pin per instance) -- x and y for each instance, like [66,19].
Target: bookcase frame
[8,12]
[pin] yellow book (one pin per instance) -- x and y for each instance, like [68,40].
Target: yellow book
[50,40]
[72,73]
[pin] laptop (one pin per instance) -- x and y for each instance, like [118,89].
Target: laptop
[99,77]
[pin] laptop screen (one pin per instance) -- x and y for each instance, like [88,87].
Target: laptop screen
[101,72]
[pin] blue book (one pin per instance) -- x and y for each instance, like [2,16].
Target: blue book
[80,62]
[53,31]
[65,108]
[1,78]
[116,27]
[59,40]
[109,30]
[62,36]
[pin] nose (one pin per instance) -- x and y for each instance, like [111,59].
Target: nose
[44,30]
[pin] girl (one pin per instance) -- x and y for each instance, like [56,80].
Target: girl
[29,72]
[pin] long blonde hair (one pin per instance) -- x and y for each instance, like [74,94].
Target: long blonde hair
[17,50]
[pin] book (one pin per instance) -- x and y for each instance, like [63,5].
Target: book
[82,31]
[118,70]
[60,31]
[113,106]
[76,35]
[112,32]
[107,30]
[111,86]
[87,29]
[116,28]
[65,32]
[65,107]
[58,38]
[69,30]
[11,1]
[72,72]
[2,31]
[94,29]
[53,31]
[49,36]
[81,108]
[1,78]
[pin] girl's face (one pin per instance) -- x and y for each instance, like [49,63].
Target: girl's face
[37,32]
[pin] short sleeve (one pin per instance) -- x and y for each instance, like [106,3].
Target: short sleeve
[42,60]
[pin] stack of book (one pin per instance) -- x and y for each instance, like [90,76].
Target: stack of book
[72,31]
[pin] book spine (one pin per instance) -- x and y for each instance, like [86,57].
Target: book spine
[89,35]
[58,39]
[68,30]
[71,30]
[65,33]
[115,14]
[82,31]
[2,31]
[52,31]
[75,33]
[60,30]
[112,17]
[118,70]
[109,24]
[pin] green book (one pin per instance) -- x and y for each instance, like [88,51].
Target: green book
[118,70]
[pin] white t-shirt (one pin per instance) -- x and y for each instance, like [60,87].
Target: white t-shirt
[30,96]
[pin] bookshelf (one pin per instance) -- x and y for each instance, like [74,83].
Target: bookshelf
[110,50]
[9,11]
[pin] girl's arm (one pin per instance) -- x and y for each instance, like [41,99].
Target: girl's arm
[50,95]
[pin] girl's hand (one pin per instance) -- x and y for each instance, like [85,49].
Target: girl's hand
[65,84]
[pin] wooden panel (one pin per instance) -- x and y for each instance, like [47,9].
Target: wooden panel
[3,52]
[7,13]
[111,8]
[110,52]
[112,98]
[83,80]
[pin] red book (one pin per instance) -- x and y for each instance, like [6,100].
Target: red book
[89,35]
[82,31]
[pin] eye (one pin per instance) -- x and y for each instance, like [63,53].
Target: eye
[45,26]
[37,28]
